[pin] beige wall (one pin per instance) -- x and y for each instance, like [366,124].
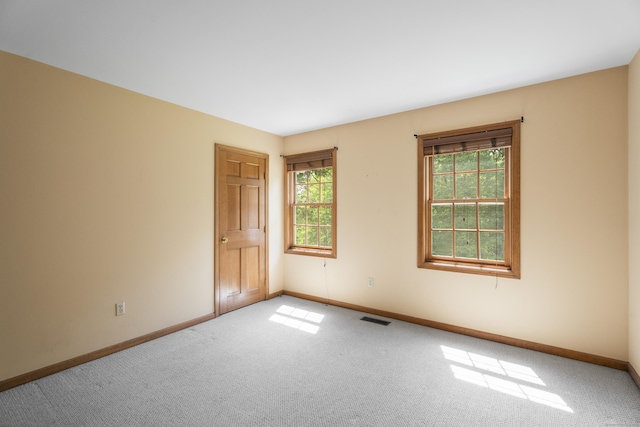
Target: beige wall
[574,288]
[106,196]
[634,212]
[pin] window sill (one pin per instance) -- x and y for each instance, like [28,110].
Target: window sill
[325,253]
[484,270]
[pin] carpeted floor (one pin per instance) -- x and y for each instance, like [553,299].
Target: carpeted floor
[291,362]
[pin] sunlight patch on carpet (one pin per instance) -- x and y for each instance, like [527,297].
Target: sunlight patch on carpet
[297,318]
[477,368]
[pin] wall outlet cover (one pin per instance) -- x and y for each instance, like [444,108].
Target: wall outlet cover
[120,309]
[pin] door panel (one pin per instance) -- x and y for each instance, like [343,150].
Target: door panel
[233,207]
[241,267]
[251,277]
[230,275]
[253,207]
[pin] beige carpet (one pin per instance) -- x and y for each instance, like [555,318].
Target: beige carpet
[291,362]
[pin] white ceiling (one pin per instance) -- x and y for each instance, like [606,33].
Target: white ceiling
[289,66]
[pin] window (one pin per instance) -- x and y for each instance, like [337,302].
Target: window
[310,211]
[469,200]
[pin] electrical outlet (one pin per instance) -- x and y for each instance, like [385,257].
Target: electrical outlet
[120,308]
[370,282]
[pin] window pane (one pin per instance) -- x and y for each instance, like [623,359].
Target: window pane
[327,174]
[325,236]
[314,175]
[443,163]
[441,243]
[467,186]
[300,235]
[325,215]
[312,236]
[327,193]
[441,215]
[492,159]
[467,161]
[492,185]
[492,246]
[312,215]
[466,244]
[443,187]
[465,216]
[301,177]
[314,193]
[300,214]
[491,216]
[301,193]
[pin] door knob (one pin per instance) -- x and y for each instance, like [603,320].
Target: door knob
[224,240]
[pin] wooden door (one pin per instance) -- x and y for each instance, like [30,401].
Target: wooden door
[241,228]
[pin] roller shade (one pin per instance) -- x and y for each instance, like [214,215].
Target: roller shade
[468,142]
[306,161]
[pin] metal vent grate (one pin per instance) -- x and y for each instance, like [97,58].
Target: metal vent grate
[372,320]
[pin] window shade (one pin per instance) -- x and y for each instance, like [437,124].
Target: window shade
[467,142]
[306,161]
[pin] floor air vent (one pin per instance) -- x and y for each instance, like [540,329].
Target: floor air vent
[372,320]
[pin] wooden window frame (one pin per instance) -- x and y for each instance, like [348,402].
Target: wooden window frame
[472,139]
[300,162]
